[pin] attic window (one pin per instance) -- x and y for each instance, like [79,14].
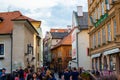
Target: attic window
[1,19]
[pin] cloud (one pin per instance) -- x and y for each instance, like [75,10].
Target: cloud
[52,13]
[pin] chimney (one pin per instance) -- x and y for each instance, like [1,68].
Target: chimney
[68,28]
[79,11]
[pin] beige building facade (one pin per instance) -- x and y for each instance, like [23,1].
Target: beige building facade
[19,42]
[104,22]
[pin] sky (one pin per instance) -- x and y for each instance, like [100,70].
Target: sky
[52,13]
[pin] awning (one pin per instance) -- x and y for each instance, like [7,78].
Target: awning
[96,55]
[112,51]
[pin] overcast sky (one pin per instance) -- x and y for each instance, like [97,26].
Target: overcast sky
[52,13]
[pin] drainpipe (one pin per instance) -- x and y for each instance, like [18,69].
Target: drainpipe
[77,49]
[11,50]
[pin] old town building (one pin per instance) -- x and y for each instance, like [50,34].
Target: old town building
[104,33]
[19,41]
[52,38]
[61,53]
[80,40]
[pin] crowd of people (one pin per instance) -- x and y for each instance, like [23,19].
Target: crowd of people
[45,74]
[28,74]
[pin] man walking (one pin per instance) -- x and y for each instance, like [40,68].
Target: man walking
[3,74]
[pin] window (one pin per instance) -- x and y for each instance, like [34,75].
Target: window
[95,16]
[94,40]
[109,33]
[103,35]
[93,64]
[102,6]
[96,64]
[98,12]
[70,53]
[91,1]
[93,43]
[107,4]
[1,49]
[99,38]
[115,30]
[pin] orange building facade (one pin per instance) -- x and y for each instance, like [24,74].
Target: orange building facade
[61,53]
[104,33]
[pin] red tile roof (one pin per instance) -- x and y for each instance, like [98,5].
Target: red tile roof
[59,30]
[6,26]
[67,40]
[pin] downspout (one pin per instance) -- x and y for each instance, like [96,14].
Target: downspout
[77,49]
[11,50]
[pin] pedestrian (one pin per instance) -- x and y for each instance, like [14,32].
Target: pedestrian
[21,73]
[29,76]
[39,73]
[25,73]
[66,74]
[34,76]
[74,74]
[17,77]
[3,74]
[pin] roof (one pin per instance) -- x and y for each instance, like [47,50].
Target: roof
[58,30]
[58,35]
[67,40]
[82,20]
[6,26]
[24,17]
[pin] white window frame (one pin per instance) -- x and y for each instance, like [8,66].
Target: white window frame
[4,50]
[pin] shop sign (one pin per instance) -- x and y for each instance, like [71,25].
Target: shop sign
[103,17]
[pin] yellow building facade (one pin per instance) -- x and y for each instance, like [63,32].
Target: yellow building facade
[104,33]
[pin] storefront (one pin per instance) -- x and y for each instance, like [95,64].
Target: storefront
[96,61]
[113,60]
[108,61]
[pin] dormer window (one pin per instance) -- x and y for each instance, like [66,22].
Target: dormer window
[1,19]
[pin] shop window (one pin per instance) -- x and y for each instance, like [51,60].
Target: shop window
[105,63]
[112,64]
[100,63]
[93,64]
[96,64]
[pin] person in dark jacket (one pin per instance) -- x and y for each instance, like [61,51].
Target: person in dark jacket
[3,74]
[21,73]
[66,74]
[29,76]
[74,74]
[39,74]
